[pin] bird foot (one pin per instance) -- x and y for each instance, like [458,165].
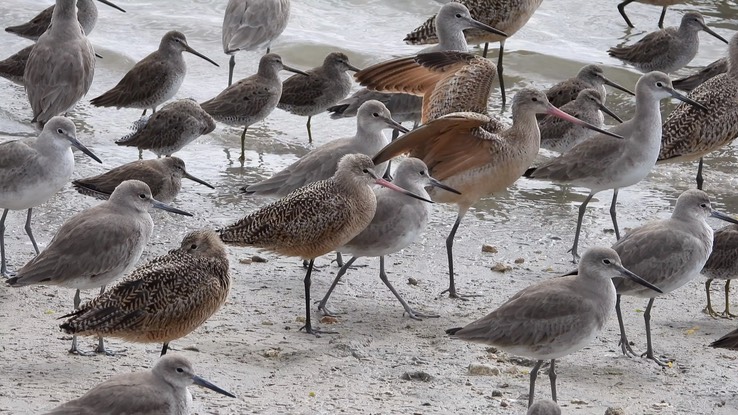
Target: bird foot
[109,352]
[710,312]
[575,256]
[726,314]
[325,311]
[667,363]
[419,316]
[78,352]
[316,332]
[452,293]
[625,347]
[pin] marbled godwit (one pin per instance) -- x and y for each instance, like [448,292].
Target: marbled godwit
[13,67]
[555,317]
[601,163]
[163,176]
[34,169]
[559,135]
[324,86]
[589,77]
[689,134]
[251,99]
[252,24]
[159,391]
[96,246]
[459,143]
[663,3]
[164,300]
[154,79]
[544,407]
[722,265]
[315,219]
[397,222]
[689,83]
[667,253]
[86,15]
[729,341]
[322,162]
[666,50]
[505,15]
[167,131]
[60,67]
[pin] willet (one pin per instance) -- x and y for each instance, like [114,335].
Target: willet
[397,223]
[507,16]
[555,317]
[60,67]
[86,15]
[322,87]
[13,67]
[167,131]
[96,246]
[314,219]
[154,79]
[251,99]
[729,341]
[460,144]
[689,134]
[667,253]
[689,83]
[589,77]
[544,407]
[559,135]
[164,300]
[404,107]
[666,50]
[722,265]
[663,3]
[34,169]
[252,24]
[163,176]
[322,162]
[601,163]
[159,391]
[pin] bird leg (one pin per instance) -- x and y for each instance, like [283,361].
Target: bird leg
[532,388]
[341,272]
[621,9]
[164,349]
[3,266]
[499,72]
[624,344]
[310,134]
[699,175]
[308,327]
[613,213]
[144,112]
[451,290]
[582,209]
[28,231]
[243,145]
[661,19]
[708,309]
[74,349]
[649,349]
[552,377]
[339,259]
[101,343]
[231,65]
[410,312]
[486,49]
[726,313]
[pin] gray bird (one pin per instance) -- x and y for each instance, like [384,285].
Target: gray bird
[722,265]
[589,77]
[86,15]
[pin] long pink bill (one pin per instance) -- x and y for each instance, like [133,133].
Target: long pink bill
[566,117]
[396,188]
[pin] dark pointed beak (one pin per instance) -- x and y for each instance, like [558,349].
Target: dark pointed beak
[684,98]
[163,206]
[576,121]
[293,70]
[487,28]
[607,111]
[631,276]
[107,3]
[352,67]
[395,125]
[710,31]
[722,216]
[436,183]
[380,181]
[617,86]
[195,179]
[79,146]
[197,380]
[198,54]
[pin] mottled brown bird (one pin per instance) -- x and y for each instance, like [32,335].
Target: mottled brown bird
[163,300]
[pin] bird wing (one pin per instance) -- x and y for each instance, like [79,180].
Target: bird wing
[249,24]
[643,50]
[146,78]
[302,90]
[691,82]
[582,161]
[14,156]
[565,92]
[144,170]
[247,97]
[724,248]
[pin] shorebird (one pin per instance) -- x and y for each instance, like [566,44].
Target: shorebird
[315,219]
[462,146]
[159,391]
[13,67]
[86,15]
[689,134]
[96,246]
[164,300]
[729,341]
[589,77]
[397,223]
[544,407]
[167,131]
[555,317]
[321,163]
[251,99]
[507,16]
[559,135]
[154,79]
[689,83]
[322,87]
[60,67]
[722,265]
[601,163]
[163,176]
[663,3]
[667,253]
[666,50]
[251,25]
[34,169]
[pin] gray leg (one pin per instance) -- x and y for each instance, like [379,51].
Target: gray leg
[450,253]
[231,65]
[310,133]
[3,266]
[582,209]
[28,231]
[661,19]
[410,312]
[100,342]
[552,377]
[699,175]
[649,349]
[486,49]
[339,259]
[243,145]
[613,213]
[621,9]
[341,272]
[499,72]
[144,112]
[532,388]
[77,302]
[726,313]
[308,326]
[164,349]
[624,344]
[709,310]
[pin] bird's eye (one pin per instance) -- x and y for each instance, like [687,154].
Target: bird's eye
[366,170]
[606,261]
[375,115]
[422,172]
[193,246]
[60,131]
[142,196]
[659,84]
[180,370]
[458,15]
[704,205]
[534,99]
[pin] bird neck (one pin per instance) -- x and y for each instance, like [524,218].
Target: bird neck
[64,17]
[451,39]
[525,126]
[647,112]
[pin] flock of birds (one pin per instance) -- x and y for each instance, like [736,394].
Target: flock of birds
[458,154]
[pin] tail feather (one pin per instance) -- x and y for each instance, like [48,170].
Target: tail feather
[529,173]
[453,331]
